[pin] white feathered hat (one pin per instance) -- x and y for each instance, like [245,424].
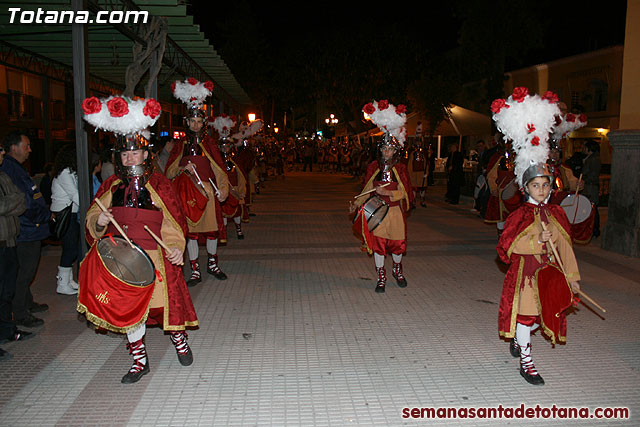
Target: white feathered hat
[223,124]
[192,93]
[121,115]
[568,123]
[390,119]
[527,120]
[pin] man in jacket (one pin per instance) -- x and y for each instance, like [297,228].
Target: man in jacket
[34,227]
[12,204]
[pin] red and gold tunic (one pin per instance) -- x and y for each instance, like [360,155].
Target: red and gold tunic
[170,304]
[521,292]
[208,164]
[394,225]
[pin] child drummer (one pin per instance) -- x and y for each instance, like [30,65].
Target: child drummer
[389,180]
[538,287]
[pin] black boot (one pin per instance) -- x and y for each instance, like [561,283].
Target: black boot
[239,232]
[195,274]
[514,348]
[179,340]
[382,279]
[140,365]
[397,274]
[527,368]
[213,269]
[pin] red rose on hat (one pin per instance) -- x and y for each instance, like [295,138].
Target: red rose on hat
[550,96]
[118,107]
[173,87]
[535,141]
[497,105]
[401,109]
[91,105]
[369,108]
[582,118]
[570,117]
[208,85]
[520,93]
[192,81]
[152,108]
[383,104]
[531,128]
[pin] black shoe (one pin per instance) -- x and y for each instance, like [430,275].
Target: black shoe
[5,355]
[252,214]
[134,377]
[18,335]
[192,282]
[217,273]
[423,204]
[186,359]
[402,282]
[240,236]
[380,288]
[513,348]
[29,322]
[34,307]
[532,379]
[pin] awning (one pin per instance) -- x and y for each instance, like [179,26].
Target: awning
[187,53]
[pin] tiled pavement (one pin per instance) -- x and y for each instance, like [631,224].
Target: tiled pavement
[297,336]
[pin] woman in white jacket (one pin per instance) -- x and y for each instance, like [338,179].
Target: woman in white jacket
[64,191]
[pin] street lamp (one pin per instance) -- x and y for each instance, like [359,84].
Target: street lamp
[251,117]
[331,120]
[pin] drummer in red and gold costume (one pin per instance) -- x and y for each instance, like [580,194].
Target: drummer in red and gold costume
[390,179]
[564,181]
[538,287]
[245,158]
[418,169]
[233,206]
[136,196]
[198,155]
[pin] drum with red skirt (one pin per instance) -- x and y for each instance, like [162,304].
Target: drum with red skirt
[116,284]
[581,214]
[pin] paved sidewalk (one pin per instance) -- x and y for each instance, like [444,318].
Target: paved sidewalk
[297,336]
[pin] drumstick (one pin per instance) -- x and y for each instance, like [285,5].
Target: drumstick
[195,172]
[576,211]
[159,240]
[214,187]
[576,195]
[555,252]
[370,191]
[588,298]
[114,222]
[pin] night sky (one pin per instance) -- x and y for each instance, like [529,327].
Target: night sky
[569,27]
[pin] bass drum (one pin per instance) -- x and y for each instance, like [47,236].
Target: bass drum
[578,208]
[375,209]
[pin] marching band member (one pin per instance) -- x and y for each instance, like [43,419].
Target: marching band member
[245,159]
[136,196]
[233,206]
[418,168]
[389,180]
[538,286]
[197,154]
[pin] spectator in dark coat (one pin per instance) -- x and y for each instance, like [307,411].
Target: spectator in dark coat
[12,204]
[455,174]
[34,227]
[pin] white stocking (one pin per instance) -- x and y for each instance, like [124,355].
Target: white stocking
[397,258]
[192,249]
[379,260]
[136,334]
[212,246]
[236,219]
